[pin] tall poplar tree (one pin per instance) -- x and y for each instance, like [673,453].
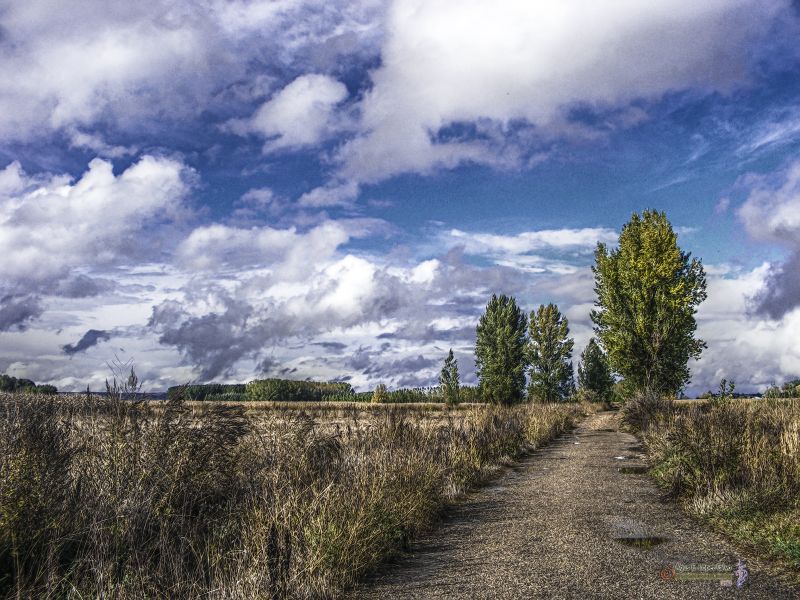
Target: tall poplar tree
[648,291]
[449,380]
[500,355]
[550,355]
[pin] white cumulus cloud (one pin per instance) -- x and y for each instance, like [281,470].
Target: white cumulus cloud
[50,225]
[512,63]
[300,114]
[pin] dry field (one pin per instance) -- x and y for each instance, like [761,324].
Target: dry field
[106,498]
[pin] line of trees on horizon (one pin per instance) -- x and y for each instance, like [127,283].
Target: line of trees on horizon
[648,291]
[21,385]
[647,294]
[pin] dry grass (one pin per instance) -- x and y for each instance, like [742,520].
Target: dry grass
[106,498]
[735,463]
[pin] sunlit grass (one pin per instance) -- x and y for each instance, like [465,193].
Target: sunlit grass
[107,498]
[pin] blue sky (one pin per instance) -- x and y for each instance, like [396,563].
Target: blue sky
[224,190]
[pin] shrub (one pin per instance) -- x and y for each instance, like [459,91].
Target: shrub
[736,463]
[644,409]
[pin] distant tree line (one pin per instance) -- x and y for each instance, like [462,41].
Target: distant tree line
[24,386]
[647,290]
[790,389]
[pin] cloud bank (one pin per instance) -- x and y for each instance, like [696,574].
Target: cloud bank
[150,187]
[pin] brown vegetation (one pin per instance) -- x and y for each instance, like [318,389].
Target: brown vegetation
[101,497]
[734,463]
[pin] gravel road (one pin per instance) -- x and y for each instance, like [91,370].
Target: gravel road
[551,528]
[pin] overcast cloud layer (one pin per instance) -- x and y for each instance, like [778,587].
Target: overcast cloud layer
[222,190]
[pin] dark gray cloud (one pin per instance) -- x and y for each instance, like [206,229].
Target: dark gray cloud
[83,286]
[770,214]
[214,342]
[89,339]
[16,311]
[332,347]
[781,292]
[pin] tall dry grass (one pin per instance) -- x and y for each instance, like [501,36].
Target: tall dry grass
[735,463]
[106,498]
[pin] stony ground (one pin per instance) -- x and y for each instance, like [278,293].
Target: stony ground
[575,520]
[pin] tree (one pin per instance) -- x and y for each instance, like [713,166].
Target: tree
[500,351]
[379,394]
[448,379]
[550,354]
[648,291]
[594,374]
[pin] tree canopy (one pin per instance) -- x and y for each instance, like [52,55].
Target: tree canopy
[500,351]
[550,355]
[14,384]
[594,373]
[648,291]
[449,380]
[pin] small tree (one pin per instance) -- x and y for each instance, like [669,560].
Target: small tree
[594,374]
[648,291]
[725,392]
[500,351]
[379,394]
[448,379]
[550,353]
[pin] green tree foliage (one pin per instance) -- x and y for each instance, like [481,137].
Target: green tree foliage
[500,355]
[550,354]
[790,389]
[287,390]
[648,291]
[379,394]
[14,384]
[208,391]
[45,389]
[595,380]
[448,379]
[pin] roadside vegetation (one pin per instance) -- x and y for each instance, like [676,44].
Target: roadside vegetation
[732,462]
[106,498]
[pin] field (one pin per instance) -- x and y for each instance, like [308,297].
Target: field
[105,498]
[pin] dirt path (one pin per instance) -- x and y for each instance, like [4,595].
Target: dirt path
[548,529]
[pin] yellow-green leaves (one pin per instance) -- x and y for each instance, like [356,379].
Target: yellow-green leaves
[647,294]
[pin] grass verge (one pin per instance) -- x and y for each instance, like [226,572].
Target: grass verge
[734,464]
[113,499]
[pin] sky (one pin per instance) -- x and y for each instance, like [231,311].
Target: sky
[222,190]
